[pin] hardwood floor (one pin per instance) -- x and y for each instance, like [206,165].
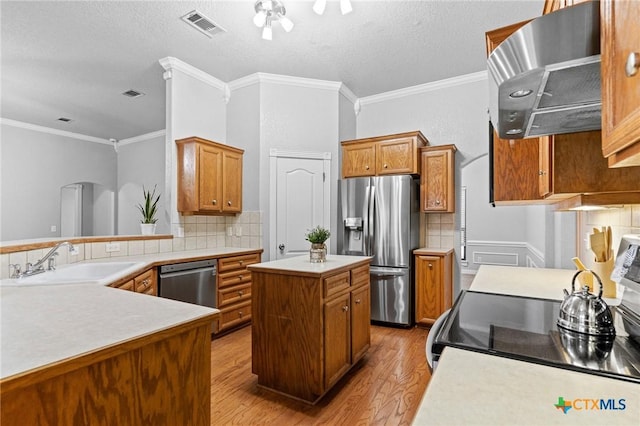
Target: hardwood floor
[384,388]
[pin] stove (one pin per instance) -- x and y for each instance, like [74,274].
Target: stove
[524,328]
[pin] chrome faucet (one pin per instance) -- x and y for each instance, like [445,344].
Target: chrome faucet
[38,267]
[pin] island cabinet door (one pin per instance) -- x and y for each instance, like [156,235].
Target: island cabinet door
[337,339]
[360,322]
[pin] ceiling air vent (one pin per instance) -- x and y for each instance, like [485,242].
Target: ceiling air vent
[201,23]
[133,93]
[65,119]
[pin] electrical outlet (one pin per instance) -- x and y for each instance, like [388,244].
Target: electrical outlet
[111,247]
[238,231]
[54,228]
[587,241]
[229,231]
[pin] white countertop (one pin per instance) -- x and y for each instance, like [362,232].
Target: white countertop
[302,265]
[470,388]
[44,324]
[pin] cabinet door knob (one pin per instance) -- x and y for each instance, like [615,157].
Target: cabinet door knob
[240,314]
[239,277]
[214,202]
[281,247]
[431,265]
[358,301]
[633,64]
[345,308]
[366,167]
[241,262]
[437,202]
[385,166]
[240,292]
[229,202]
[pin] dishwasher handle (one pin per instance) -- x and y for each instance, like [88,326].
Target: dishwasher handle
[211,269]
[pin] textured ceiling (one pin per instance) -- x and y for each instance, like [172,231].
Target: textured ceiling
[74,59]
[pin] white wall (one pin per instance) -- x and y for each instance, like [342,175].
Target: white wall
[243,131]
[296,118]
[195,107]
[34,166]
[141,164]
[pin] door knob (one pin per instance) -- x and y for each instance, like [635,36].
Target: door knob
[281,247]
[633,64]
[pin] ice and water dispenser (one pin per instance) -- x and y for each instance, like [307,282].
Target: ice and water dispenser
[353,236]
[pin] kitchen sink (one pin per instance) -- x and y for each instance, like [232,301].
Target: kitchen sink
[99,273]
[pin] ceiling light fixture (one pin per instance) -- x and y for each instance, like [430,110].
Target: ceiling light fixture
[268,11]
[320,5]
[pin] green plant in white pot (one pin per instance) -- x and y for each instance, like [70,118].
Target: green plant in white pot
[317,236]
[149,209]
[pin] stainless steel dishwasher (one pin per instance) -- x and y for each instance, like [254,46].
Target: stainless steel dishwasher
[191,282]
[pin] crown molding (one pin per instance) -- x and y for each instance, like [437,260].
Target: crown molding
[347,93]
[287,80]
[142,138]
[170,63]
[49,130]
[422,88]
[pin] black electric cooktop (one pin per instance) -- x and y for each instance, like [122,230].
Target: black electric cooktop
[525,328]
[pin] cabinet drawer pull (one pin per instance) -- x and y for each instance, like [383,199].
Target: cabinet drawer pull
[240,277]
[345,308]
[633,64]
[240,292]
[385,166]
[229,202]
[358,301]
[366,167]
[241,262]
[240,314]
[214,202]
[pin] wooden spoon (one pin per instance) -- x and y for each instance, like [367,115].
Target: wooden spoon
[598,246]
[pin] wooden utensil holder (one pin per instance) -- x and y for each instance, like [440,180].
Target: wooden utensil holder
[604,270]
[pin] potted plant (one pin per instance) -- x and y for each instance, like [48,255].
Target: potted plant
[149,209]
[317,236]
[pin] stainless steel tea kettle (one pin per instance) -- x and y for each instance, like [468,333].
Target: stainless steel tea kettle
[585,312]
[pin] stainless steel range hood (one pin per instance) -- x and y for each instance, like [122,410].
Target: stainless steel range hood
[545,78]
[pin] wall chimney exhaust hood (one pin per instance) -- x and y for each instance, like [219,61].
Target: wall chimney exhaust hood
[545,78]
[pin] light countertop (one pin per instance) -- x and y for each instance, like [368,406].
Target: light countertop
[300,265]
[45,324]
[470,388]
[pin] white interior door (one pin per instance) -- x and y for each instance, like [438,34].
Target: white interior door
[302,201]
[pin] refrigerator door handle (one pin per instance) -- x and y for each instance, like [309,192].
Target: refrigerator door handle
[371,217]
[387,272]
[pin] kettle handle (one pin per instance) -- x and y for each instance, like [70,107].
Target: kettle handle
[573,281]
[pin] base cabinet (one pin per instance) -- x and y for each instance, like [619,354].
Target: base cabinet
[309,328]
[146,282]
[434,284]
[234,290]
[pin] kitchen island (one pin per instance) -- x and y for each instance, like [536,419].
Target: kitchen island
[87,354]
[311,323]
[469,388]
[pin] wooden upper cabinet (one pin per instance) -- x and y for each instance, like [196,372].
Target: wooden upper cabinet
[553,5]
[382,155]
[209,177]
[620,53]
[437,180]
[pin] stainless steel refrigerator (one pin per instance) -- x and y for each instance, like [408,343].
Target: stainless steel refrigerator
[379,217]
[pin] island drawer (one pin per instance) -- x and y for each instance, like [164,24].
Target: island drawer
[144,283]
[360,276]
[237,262]
[336,283]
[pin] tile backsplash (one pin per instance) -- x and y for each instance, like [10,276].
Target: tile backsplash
[624,220]
[436,230]
[200,232]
